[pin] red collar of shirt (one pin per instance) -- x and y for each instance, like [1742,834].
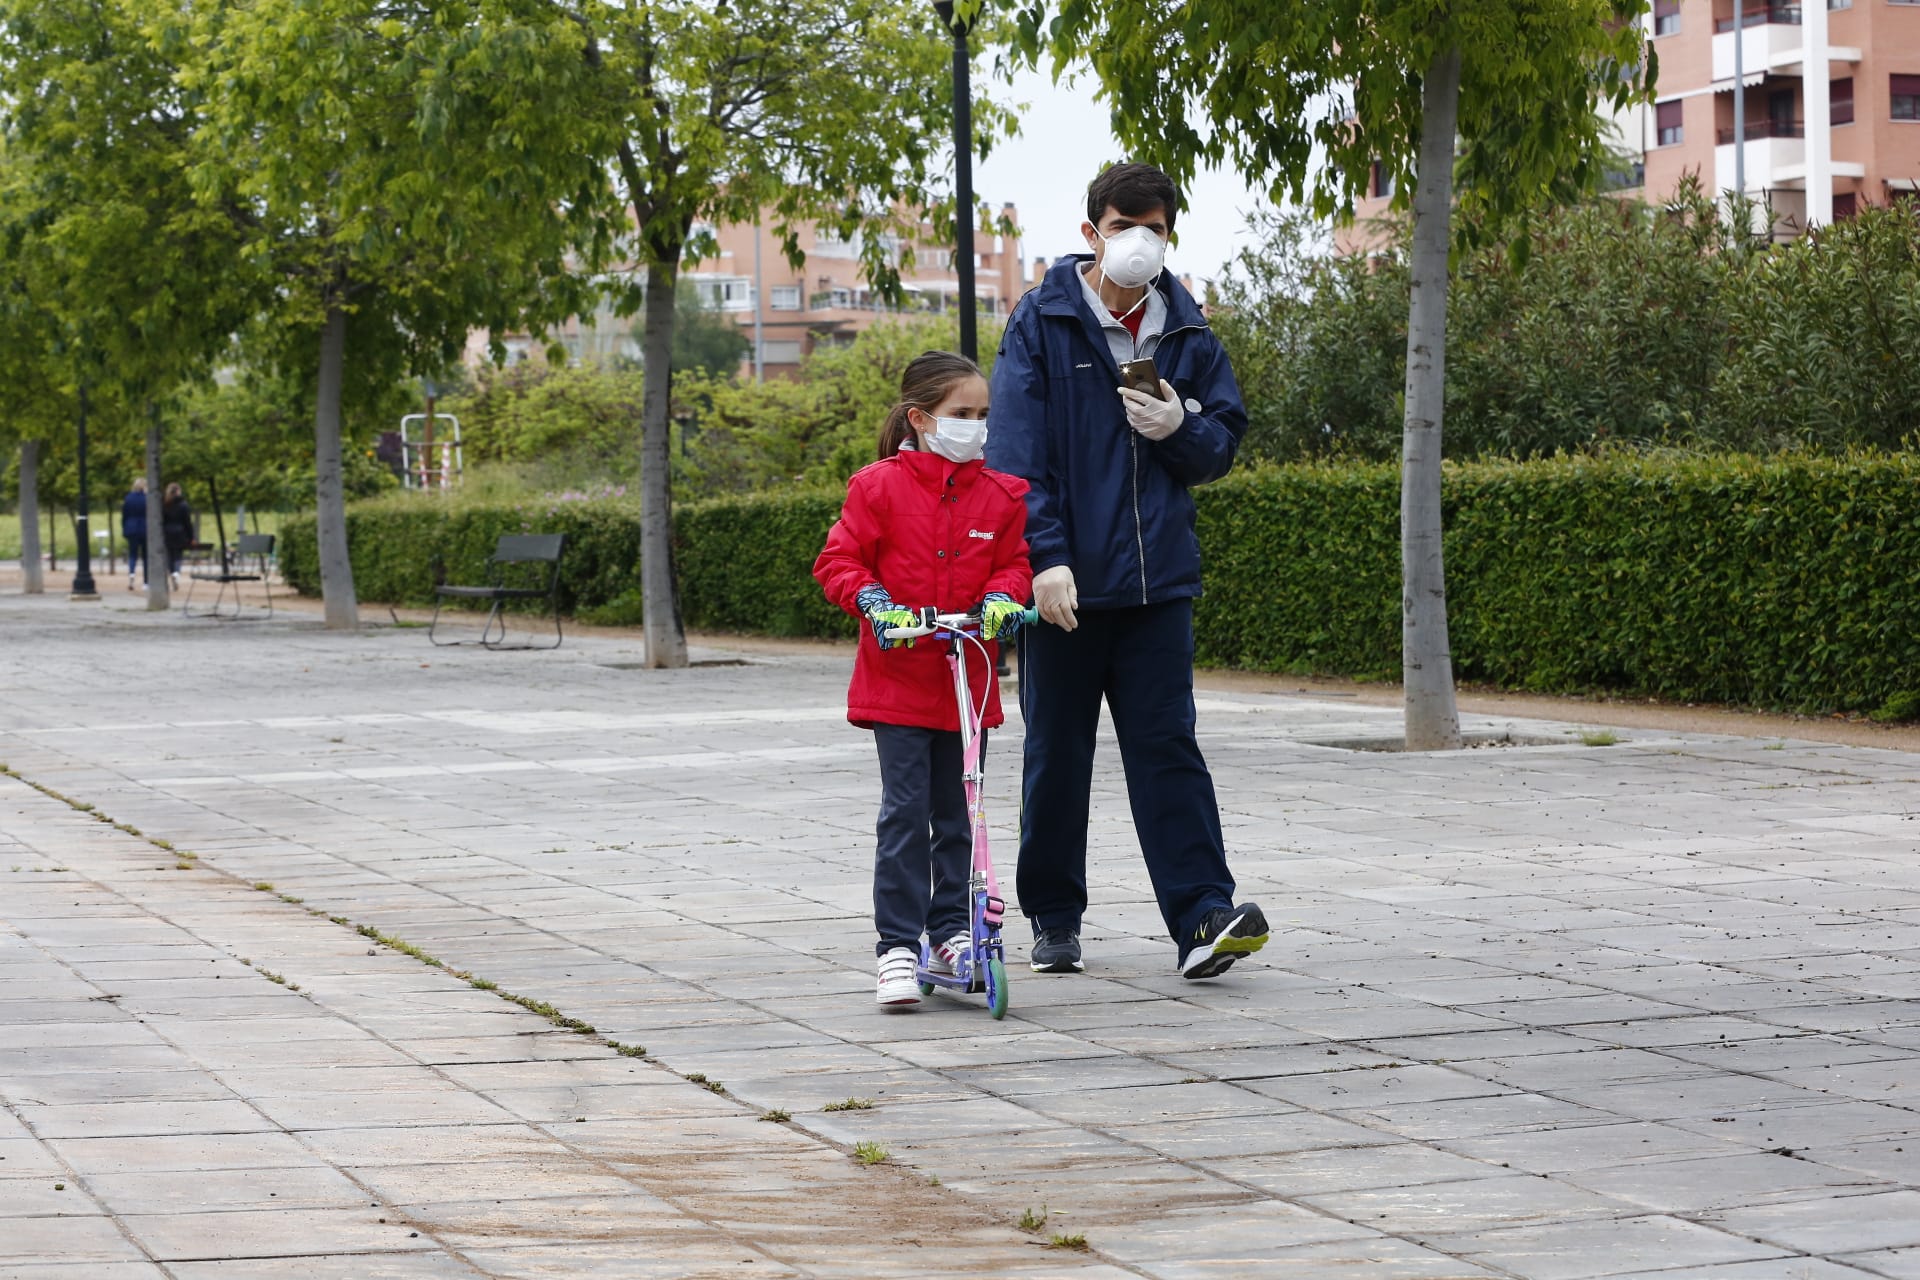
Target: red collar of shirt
[1131,320]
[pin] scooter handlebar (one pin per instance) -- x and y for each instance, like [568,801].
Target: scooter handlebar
[930,622]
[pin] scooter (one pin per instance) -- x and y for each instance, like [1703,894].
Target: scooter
[982,970]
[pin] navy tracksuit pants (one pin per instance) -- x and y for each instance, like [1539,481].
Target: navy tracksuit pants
[923,858]
[1141,661]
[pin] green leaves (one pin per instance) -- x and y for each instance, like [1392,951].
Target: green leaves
[1274,85]
[1623,325]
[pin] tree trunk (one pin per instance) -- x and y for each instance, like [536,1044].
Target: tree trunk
[659,591]
[336,569]
[1426,659]
[33,579]
[156,533]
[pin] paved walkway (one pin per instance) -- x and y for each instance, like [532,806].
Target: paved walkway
[1551,1011]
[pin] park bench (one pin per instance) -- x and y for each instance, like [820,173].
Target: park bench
[231,573]
[514,572]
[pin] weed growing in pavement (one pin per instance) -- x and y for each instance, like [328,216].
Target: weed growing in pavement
[851,1104]
[628,1050]
[264,886]
[1077,1240]
[1599,738]
[1775,746]
[1033,1220]
[271,976]
[870,1152]
[777,1115]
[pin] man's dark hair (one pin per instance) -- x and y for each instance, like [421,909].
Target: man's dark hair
[1132,190]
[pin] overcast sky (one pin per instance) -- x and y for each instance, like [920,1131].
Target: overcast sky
[1063,142]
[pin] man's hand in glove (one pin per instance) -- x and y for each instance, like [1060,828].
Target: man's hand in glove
[883,614]
[1000,616]
[1154,419]
[1054,593]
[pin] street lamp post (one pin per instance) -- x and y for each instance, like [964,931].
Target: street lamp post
[83,588]
[962,176]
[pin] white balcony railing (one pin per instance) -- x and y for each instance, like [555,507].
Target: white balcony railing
[1769,45]
[1766,159]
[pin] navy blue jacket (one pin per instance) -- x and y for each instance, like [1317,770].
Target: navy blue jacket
[133,517]
[1106,502]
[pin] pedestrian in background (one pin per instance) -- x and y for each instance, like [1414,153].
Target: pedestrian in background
[176,524]
[133,529]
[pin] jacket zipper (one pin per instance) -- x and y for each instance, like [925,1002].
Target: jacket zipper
[1139,530]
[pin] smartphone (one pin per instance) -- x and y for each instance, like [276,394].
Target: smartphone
[1141,375]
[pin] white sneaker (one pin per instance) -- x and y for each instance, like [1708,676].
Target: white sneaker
[946,956]
[899,983]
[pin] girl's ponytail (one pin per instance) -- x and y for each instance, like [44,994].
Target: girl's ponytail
[895,430]
[925,384]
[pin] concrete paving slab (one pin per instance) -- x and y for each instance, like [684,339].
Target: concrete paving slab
[1551,1011]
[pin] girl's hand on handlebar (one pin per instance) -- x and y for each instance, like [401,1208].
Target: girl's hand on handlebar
[1000,616]
[883,615]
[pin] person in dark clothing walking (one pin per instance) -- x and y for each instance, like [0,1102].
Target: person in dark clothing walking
[1116,568]
[133,530]
[176,524]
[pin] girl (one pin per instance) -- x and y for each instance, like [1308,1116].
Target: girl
[927,524]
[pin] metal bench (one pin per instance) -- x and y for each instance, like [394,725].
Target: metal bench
[514,570]
[232,571]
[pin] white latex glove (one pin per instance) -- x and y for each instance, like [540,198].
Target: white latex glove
[1154,419]
[1054,593]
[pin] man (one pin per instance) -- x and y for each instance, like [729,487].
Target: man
[1116,567]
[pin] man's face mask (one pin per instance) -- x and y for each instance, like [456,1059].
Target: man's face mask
[1133,257]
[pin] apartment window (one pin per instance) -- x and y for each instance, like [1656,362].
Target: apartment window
[1380,184]
[1845,205]
[1666,122]
[1906,97]
[780,351]
[786,297]
[1840,101]
[1666,17]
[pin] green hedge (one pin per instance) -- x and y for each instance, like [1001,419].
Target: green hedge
[745,564]
[1791,582]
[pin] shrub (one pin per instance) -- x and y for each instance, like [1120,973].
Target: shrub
[1792,581]
[1602,323]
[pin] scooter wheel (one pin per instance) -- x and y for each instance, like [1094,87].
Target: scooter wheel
[996,989]
[926,988]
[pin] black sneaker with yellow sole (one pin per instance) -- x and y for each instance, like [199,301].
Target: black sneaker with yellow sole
[1222,936]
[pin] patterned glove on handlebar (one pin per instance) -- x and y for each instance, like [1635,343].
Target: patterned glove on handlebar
[883,614]
[1000,616]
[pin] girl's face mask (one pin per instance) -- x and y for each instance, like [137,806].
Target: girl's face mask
[956,439]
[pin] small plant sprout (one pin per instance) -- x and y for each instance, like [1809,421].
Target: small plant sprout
[1033,1219]
[776,1115]
[851,1104]
[870,1152]
[1077,1240]
[1599,738]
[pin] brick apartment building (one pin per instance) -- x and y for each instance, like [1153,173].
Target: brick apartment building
[823,301]
[1832,104]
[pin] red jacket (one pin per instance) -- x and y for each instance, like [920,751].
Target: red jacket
[931,532]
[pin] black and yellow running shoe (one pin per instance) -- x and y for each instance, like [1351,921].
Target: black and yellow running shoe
[1223,936]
